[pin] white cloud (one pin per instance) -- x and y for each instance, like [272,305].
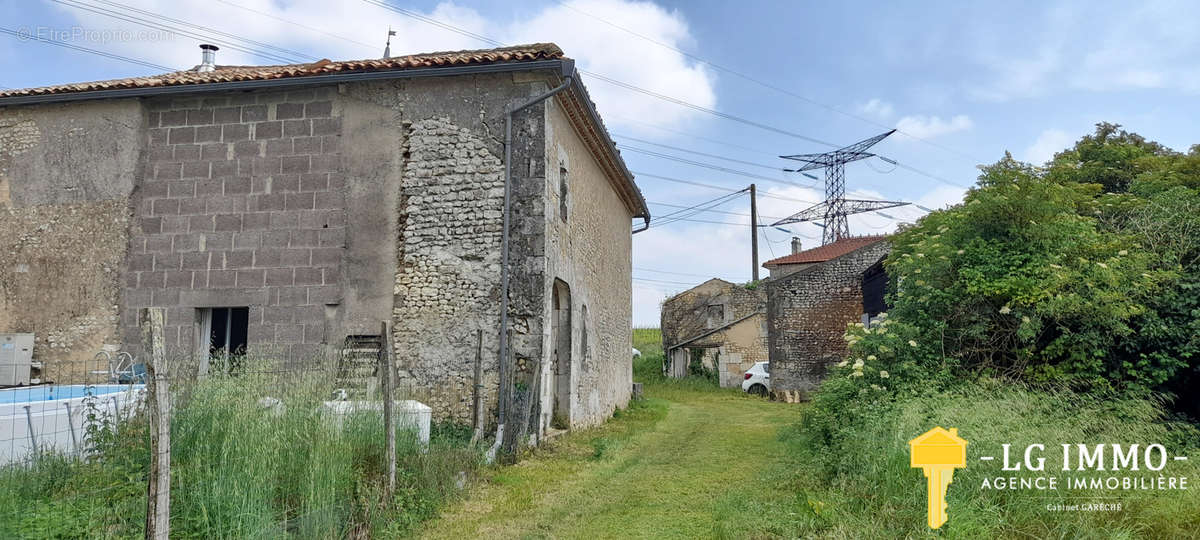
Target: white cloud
[927,127]
[1048,143]
[610,52]
[1148,46]
[877,107]
[354,30]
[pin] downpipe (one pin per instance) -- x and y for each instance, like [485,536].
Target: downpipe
[568,69]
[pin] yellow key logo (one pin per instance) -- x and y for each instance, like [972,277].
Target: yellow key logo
[938,452]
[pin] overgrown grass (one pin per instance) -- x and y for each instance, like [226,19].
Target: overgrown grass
[241,469]
[648,369]
[663,468]
[850,476]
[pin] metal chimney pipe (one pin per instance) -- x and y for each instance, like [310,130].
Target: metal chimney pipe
[208,60]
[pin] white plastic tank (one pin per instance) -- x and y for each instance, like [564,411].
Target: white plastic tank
[16,357]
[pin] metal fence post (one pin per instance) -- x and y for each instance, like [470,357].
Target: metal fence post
[389,426]
[158,489]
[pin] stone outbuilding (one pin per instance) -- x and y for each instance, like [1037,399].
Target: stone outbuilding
[293,208]
[717,325]
[811,297]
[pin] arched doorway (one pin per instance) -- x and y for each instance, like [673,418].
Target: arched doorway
[560,361]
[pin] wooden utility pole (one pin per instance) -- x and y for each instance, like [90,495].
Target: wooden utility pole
[158,488]
[753,235]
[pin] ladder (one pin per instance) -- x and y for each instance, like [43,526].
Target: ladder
[358,366]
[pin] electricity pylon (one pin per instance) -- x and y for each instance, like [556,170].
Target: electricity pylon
[834,209]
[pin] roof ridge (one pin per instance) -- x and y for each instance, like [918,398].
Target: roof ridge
[514,53]
[827,252]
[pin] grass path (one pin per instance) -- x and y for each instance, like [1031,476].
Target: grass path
[681,464]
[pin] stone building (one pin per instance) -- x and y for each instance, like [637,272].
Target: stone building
[718,325]
[293,208]
[812,295]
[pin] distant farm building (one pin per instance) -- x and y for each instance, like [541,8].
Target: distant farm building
[718,326]
[811,297]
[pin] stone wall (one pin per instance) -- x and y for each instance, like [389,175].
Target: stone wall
[807,314]
[325,211]
[685,315]
[446,293]
[447,285]
[241,205]
[730,351]
[66,172]
[588,248]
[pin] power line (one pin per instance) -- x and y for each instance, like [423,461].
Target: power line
[690,211]
[256,43]
[172,29]
[437,23]
[669,272]
[26,36]
[707,110]
[721,188]
[759,82]
[722,198]
[694,163]
[690,284]
[485,39]
[298,25]
[764,153]
[693,135]
[627,86]
[715,156]
[138,20]
[743,214]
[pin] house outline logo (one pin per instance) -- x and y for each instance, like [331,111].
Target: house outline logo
[938,452]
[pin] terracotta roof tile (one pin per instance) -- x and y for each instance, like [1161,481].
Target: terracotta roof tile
[519,53]
[827,251]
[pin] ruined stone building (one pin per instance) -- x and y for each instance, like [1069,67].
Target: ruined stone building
[716,325]
[811,297]
[294,208]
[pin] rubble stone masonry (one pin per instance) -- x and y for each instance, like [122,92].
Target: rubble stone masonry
[66,172]
[325,210]
[807,314]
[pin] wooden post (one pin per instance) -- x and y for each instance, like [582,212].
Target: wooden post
[753,234]
[477,411]
[158,489]
[389,426]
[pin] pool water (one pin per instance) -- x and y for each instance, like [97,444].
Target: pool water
[49,392]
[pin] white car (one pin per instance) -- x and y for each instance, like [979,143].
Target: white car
[758,379]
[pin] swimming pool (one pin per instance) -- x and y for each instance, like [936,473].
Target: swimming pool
[52,392]
[57,417]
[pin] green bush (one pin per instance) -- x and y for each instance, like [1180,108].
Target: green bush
[1048,308]
[853,475]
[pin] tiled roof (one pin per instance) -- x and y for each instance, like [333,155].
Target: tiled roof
[519,53]
[827,251]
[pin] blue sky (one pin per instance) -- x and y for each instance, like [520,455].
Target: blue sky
[964,81]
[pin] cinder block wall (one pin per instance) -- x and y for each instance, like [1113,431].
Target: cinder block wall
[807,314]
[241,204]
